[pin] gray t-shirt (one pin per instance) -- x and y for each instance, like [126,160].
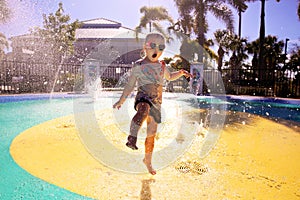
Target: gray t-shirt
[149,78]
[148,73]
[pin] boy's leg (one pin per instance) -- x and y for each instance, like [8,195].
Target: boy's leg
[143,109]
[149,144]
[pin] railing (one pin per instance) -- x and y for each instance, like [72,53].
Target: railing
[21,77]
[281,83]
[29,77]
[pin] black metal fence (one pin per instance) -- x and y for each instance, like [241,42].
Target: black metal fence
[29,77]
[281,83]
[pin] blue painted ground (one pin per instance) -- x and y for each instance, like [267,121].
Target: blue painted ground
[15,117]
[274,108]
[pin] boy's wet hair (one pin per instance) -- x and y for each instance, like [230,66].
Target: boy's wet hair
[154,35]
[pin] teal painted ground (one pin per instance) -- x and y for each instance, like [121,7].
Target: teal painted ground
[15,117]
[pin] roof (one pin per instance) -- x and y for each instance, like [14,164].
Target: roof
[104,33]
[100,23]
[102,28]
[99,28]
[25,36]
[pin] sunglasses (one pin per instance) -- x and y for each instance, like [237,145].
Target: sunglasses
[152,45]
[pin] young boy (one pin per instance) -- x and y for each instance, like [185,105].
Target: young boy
[148,73]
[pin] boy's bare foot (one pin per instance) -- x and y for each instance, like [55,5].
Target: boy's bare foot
[149,167]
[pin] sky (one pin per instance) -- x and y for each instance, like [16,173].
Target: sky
[281,18]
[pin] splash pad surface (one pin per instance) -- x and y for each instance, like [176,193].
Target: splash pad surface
[53,152]
[18,113]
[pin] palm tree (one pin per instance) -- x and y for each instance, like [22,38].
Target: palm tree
[253,48]
[221,37]
[240,6]
[273,52]
[272,58]
[230,42]
[261,63]
[151,17]
[3,45]
[294,61]
[237,45]
[209,54]
[293,65]
[298,11]
[194,13]
[5,12]
[188,48]
[5,15]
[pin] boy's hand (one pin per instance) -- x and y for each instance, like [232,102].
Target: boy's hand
[186,73]
[162,62]
[117,105]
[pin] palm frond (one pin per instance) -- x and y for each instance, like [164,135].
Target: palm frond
[222,12]
[239,5]
[3,42]
[161,30]
[152,16]
[5,12]
[185,7]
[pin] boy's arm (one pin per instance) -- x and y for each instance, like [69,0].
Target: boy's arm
[128,88]
[126,92]
[171,76]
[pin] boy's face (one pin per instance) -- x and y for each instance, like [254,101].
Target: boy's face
[154,48]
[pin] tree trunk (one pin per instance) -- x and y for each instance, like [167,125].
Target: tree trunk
[261,64]
[56,77]
[220,59]
[240,23]
[201,30]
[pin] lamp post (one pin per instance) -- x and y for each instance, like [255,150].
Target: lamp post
[285,49]
[240,23]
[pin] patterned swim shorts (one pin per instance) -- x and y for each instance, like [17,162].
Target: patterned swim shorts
[155,107]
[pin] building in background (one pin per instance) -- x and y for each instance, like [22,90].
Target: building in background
[101,45]
[99,38]
[107,40]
